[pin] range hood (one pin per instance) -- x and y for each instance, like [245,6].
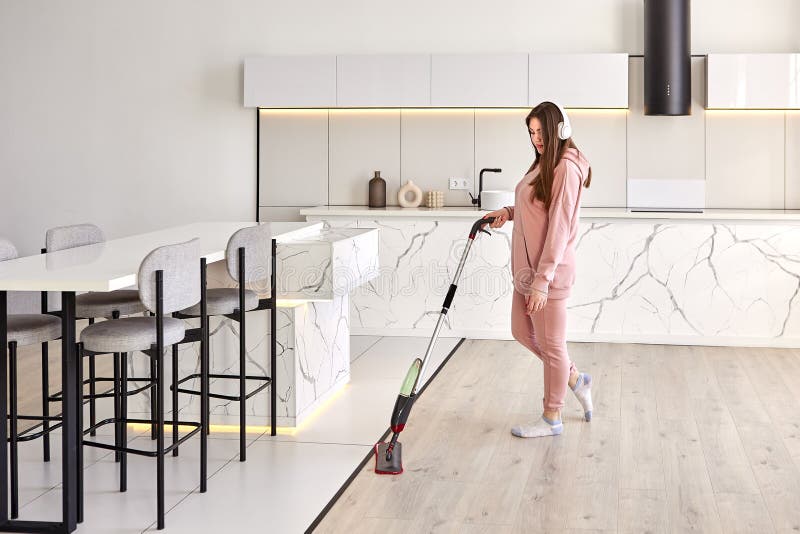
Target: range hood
[667,57]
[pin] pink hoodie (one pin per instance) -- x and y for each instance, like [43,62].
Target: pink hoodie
[548,235]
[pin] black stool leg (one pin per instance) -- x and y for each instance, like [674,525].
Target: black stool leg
[207,384]
[45,401]
[175,399]
[123,409]
[273,352]
[153,408]
[45,385]
[242,390]
[273,329]
[12,404]
[242,279]
[92,391]
[119,389]
[159,361]
[205,428]
[160,437]
[79,425]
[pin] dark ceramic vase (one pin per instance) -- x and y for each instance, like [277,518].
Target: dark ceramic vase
[377,191]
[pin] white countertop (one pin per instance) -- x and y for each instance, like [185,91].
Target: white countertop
[114,264]
[321,212]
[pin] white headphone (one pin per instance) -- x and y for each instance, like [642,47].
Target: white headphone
[564,127]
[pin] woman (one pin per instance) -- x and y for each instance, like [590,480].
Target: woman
[545,215]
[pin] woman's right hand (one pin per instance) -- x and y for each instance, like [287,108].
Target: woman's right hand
[500,217]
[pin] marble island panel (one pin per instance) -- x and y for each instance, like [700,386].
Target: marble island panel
[728,280]
[316,271]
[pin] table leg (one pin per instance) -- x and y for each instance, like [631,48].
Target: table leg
[69,471]
[72,437]
[3,408]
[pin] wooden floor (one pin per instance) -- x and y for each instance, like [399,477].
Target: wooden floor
[684,439]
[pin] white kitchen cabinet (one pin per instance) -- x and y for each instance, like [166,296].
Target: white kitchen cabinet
[753,81]
[579,80]
[386,80]
[290,81]
[479,80]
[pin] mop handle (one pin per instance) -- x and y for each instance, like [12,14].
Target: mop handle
[476,227]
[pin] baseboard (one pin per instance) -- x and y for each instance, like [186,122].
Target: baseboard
[583,337]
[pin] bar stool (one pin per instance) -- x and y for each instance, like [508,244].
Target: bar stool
[250,258]
[168,281]
[24,329]
[91,306]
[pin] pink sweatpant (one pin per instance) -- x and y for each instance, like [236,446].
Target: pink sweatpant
[544,333]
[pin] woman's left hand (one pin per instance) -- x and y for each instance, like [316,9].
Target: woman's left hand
[536,302]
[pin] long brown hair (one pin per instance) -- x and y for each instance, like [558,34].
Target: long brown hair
[554,148]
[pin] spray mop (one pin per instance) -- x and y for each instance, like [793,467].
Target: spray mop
[388,457]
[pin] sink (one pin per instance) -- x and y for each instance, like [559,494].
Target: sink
[495,199]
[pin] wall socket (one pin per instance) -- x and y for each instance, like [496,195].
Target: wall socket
[459,183]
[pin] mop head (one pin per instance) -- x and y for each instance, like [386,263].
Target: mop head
[392,466]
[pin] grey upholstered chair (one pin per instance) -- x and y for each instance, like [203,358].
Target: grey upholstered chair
[250,259]
[91,306]
[24,329]
[99,304]
[169,280]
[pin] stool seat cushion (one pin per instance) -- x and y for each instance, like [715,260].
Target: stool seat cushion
[103,304]
[29,329]
[130,334]
[224,301]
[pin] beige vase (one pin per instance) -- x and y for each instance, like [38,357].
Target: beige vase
[409,189]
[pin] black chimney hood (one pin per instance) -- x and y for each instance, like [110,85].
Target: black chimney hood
[667,58]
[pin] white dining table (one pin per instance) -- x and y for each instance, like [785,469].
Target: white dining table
[103,266]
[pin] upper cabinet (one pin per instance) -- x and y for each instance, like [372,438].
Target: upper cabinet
[439,80]
[290,82]
[753,81]
[389,81]
[579,80]
[479,80]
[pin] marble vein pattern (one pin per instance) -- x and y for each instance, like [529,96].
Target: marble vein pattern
[700,281]
[315,276]
[313,360]
[332,263]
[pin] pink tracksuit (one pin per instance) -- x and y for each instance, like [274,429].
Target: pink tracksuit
[543,258]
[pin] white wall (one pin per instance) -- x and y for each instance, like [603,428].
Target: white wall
[126,114]
[129,114]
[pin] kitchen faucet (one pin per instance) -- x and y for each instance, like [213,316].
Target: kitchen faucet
[477,200]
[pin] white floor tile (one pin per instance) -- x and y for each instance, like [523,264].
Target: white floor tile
[281,488]
[391,357]
[108,510]
[38,477]
[360,344]
[361,412]
[286,481]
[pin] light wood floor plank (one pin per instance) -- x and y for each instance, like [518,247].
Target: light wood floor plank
[743,514]
[641,465]
[690,497]
[672,392]
[642,511]
[743,402]
[684,439]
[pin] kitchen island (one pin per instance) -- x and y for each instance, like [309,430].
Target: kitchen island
[317,268]
[720,277]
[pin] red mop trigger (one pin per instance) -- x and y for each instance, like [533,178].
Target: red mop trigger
[478,227]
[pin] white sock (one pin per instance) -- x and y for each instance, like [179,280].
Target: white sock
[539,429]
[583,391]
